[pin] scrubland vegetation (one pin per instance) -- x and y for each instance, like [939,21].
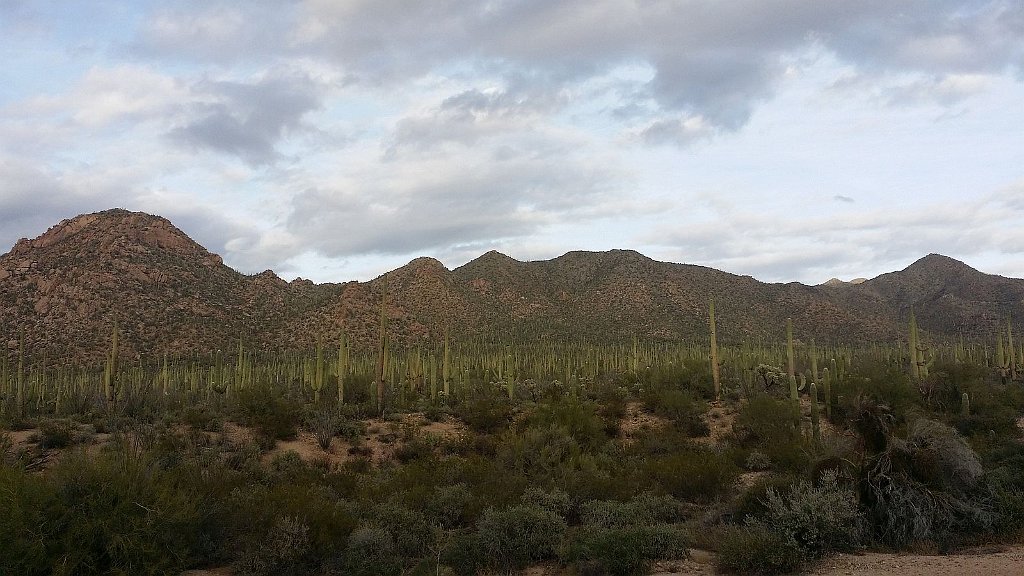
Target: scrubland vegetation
[488,457]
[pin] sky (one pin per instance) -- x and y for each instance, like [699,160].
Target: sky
[789,140]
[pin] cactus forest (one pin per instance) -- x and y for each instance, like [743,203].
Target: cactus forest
[494,455]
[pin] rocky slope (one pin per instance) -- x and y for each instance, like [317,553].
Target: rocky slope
[64,290]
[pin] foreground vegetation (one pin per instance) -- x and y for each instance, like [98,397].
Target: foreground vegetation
[601,460]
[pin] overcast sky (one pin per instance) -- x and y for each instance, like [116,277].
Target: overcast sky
[337,139]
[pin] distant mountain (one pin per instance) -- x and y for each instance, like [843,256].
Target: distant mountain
[64,290]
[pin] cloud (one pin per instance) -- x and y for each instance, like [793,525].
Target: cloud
[249,119]
[714,60]
[427,204]
[678,131]
[219,31]
[774,247]
[842,198]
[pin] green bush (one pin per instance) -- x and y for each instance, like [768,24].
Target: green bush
[486,414]
[255,511]
[111,514]
[642,510]
[408,528]
[758,550]
[698,474]
[266,408]
[769,425]
[578,418]
[624,551]
[817,518]
[286,551]
[681,407]
[448,506]
[514,538]
[753,502]
[371,552]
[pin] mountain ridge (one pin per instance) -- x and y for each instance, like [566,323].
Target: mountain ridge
[64,290]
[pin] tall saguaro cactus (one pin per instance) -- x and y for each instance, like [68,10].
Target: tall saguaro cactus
[318,370]
[19,395]
[715,374]
[919,362]
[790,357]
[110,369]
[343,356]
[1013,353]
[382,347]
[446,365]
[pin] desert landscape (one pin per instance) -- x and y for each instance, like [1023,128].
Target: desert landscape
[163,413]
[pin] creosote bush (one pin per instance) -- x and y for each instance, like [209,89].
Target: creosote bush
[756,549]
[273,414]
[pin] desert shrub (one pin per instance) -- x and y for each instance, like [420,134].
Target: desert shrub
[408,528]
[691,375]
[538,451]
[752,503]
[416,449]
[371,552]
[817,518]
[578,418]
[757,461]
[697,474]
[254,513]
[201,417]
[461,553]
[448,506]
[265,408]
[681,407]
[289,467]
[555,501]
[625,550]
[769,425]
[7,455]
[285,551]
[515,537]
[642,510]
[884,384]
[994,410]
[324,422]
[755,549]
[57,433]
[486,414]
[28,502]
[112,514]
[925,486]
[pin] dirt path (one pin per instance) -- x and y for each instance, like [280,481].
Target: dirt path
[990,561]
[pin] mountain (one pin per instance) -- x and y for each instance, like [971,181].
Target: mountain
[64,290]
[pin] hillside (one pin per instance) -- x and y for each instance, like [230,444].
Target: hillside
[64,290]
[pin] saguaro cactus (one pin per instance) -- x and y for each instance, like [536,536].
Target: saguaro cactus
[446,365]
[318,371]
[815,422]
[343,353]
[790,357]
[715,374]
[919,361]
[110,369]
[382,345]
[1013,353]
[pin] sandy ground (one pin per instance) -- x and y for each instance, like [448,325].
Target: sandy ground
[989,561]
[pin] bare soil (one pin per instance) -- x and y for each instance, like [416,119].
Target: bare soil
[990,561]
[636,420]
